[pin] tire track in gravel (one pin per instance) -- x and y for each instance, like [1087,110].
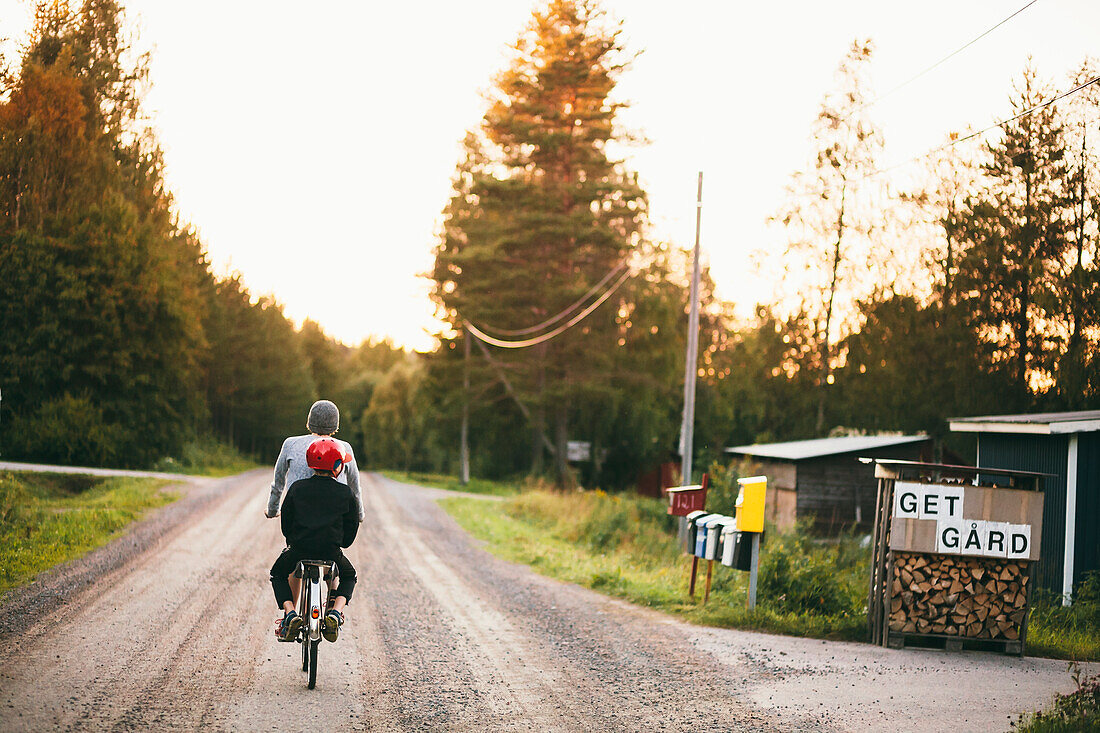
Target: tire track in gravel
[615,669]
[515,683]
[442,636]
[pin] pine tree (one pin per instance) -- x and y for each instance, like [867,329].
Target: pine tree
[1078,292]
[542,212]
[99,281]
[1015,236]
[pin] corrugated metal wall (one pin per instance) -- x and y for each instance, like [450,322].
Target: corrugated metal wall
[1087,543]
[1044,454]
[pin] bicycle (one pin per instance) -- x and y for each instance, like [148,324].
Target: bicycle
[312,604]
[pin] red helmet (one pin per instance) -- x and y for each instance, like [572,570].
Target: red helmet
[325,454]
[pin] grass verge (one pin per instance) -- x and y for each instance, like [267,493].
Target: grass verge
[207,456]
[48,519]
[1063,632]
[625,546]
[451,483]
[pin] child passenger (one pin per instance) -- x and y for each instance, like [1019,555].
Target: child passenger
[319,516]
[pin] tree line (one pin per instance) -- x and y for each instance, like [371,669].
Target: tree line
[972,289]
[120,345]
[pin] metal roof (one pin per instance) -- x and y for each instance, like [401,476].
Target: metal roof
[797,450]
[1040,423]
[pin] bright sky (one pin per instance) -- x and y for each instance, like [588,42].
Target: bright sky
[313,144]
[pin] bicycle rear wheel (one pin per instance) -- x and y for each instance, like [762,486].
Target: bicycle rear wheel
[313,662]
[305,653]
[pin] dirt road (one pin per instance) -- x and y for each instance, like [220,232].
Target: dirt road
[441,636]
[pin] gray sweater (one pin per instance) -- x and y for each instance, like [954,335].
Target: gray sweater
[291,467]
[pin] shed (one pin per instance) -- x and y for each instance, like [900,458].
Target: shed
[1066,446]
[824,479]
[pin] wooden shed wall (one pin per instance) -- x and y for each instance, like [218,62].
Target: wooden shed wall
[830,487]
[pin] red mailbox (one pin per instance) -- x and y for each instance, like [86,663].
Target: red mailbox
[683,500]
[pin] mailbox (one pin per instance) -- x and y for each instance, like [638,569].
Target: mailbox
[750,503]
[728,537]
[715,527]
[683,500]
[727,544]
[689,536]
[736,548]
[700,548]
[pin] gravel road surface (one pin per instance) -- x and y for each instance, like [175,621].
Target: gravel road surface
[84,471]
[442,636]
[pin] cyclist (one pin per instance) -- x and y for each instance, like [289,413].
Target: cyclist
[323,421]
[319,516]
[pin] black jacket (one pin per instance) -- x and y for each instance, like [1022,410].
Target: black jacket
[320,515]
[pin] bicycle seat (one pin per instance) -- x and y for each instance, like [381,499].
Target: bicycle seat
[327,566]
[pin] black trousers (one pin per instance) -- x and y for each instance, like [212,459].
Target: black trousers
[288,560]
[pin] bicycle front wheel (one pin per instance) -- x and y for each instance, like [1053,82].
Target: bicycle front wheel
[312,662]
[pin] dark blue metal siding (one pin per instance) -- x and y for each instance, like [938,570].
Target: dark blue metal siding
[1086,555]
[1044,454]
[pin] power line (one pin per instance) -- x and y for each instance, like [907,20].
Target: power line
[952,143]
[949,56]
[554,319]
[550,334]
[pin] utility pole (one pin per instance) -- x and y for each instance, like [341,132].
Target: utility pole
[687,429]
[464,448]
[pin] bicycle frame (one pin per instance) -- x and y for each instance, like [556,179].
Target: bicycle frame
[313,598]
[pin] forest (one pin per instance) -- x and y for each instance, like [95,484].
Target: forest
[121,347]
[970,285]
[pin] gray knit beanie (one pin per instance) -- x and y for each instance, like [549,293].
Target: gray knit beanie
[324,418]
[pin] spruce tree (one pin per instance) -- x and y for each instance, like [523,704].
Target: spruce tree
[542,212]
[1015,237]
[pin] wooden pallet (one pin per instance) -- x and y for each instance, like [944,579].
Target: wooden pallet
[900,639]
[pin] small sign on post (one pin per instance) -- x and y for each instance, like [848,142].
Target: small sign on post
[578,450]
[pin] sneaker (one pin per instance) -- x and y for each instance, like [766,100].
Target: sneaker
[289,627]
[333,621]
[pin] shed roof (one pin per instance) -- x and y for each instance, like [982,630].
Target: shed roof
[1040,423]
[797,450]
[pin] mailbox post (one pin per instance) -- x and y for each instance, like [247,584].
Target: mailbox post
[687,502]
[750,520]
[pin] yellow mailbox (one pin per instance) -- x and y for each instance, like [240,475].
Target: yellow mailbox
[750,503]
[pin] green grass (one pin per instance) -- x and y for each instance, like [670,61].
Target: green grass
[451,483]
[207,457]
[48,519]
[625,546]
[1067,632]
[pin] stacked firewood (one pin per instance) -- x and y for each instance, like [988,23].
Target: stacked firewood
[971,597]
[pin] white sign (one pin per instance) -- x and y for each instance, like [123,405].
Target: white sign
[956,535]
[978,537]
[927,501]
[578,450]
